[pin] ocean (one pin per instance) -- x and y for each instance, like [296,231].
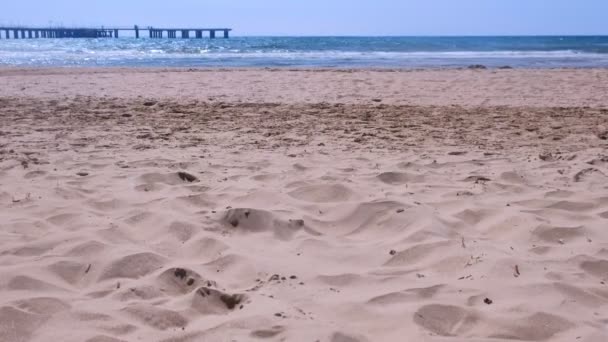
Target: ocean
[329,52]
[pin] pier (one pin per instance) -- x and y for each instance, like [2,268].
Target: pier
[21,32]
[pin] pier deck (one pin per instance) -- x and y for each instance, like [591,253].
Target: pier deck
[23,32]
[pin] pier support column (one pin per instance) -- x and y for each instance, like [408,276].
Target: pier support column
[37,34]
[8,34]
[136,31]
[16,34]
[115,33]
[29,34]
[212,34]
[226,34]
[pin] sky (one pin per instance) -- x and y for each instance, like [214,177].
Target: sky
[326,17]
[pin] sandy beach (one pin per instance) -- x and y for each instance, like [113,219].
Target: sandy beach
[303,205]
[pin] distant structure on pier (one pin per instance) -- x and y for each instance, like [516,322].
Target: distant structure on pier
[22,32]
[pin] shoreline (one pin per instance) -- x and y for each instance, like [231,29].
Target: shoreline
[472,67]
[468,88]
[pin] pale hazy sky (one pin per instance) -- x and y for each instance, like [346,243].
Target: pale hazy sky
[326,17]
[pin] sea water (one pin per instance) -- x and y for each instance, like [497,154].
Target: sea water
[331,52]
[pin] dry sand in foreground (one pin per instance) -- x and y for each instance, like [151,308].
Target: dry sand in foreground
[303,205]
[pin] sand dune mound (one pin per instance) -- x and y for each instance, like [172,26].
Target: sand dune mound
[450,320]
[539,326]
[157,318]
[133,266]
[323,193]
[136,293]
[409,295]
[204,248]
[344,337]
[257,221]
[396,178]
[179,281]
[176,178]
[417,253]
[209,301]
[182,231]
[23,283]
[87,248]
[598,268]
[267,333]
[572,206]
[42,305]
[17,325]
[70,271]
[233,266]
[446,320]
[345,279]
[473,217]
[559,235]
[365,219]
[103,338]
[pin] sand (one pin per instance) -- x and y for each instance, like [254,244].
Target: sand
[280,205]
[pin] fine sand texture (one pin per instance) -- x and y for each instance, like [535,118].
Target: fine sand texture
[300,205]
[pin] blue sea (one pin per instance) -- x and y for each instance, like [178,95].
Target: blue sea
[332,52]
